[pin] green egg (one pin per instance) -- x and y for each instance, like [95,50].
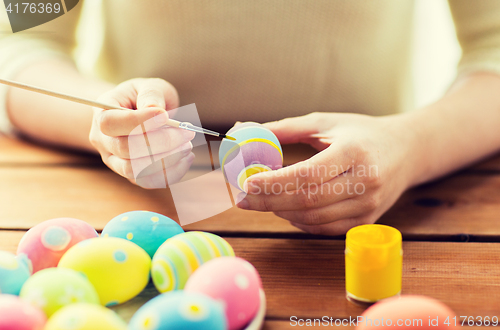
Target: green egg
[53,288]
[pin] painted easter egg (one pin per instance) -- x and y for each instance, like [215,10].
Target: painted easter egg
[178,311]
[17,314]
[14,272]
[407,312]
[45,243]
[147,229]
[255,150]
[118,269]
[232,280]
[53,288]
[82,316]
[181,255]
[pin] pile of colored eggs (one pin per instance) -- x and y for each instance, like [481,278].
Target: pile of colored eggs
[65,274]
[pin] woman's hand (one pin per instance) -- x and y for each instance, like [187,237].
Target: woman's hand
[130,141]
[364,164]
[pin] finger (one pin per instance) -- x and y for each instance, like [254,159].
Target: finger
[167,176]
[311,196]
[156,93]
[166,139]
[133,168]
[319,169]
[121,96]
[296,129]
[346,209]
[333,229]
[156,142]
[124,122]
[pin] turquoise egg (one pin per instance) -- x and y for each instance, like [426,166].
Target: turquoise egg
[180,310]
[147,229]
[14,271]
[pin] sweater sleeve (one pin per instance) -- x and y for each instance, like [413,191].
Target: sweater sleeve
[54,39]
[477,26]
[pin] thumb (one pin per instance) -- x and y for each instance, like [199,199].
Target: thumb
[156,93]
[293,130]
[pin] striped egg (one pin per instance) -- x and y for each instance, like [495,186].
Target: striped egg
[181,255]
[255,150]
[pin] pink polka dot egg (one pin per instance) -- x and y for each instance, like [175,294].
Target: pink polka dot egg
[233,281]
[17,314]
[46,243]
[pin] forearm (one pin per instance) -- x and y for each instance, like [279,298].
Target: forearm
[456,131]
[49,119]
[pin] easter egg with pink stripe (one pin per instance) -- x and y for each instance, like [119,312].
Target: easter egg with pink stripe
[255,150]
[179,257]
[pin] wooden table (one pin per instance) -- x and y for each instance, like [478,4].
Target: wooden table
[451,231]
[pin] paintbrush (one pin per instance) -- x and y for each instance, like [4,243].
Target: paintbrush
[170,122]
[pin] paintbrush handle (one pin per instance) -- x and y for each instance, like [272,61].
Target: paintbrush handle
[170,122]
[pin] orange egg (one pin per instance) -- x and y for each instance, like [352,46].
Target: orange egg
[408,312]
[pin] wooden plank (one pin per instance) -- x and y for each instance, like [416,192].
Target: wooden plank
[17,152]
[282,325]
[286,325]
[306,277]
[489,165]
[96,195]
[31,195]
[10,239]
[462,204]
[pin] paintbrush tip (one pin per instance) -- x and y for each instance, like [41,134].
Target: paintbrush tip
[224,136]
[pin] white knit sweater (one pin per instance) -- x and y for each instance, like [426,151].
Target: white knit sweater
[260,60]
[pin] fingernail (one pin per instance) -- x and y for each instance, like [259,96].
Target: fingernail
[161,118]
[244,205]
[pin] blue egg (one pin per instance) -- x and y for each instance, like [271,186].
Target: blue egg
[147,229]
[14,271]
[179,310]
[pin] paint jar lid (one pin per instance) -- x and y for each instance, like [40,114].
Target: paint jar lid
[375,245]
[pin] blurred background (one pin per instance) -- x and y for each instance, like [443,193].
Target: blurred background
[435,51]
[435,47]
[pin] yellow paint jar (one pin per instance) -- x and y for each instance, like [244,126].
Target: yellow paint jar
[373,263]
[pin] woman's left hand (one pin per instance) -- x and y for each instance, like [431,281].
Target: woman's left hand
[365,163]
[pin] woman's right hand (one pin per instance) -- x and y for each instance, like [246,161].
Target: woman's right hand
[130,141]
